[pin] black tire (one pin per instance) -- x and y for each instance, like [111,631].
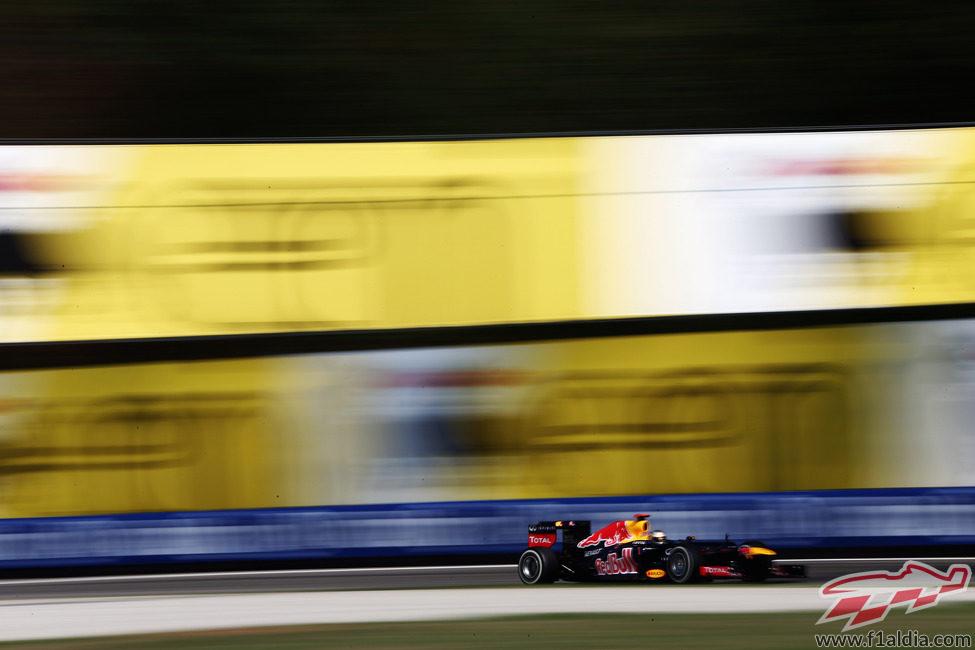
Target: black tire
[538,566]
[683,564]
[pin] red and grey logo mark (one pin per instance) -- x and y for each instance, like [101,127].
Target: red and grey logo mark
[867,597]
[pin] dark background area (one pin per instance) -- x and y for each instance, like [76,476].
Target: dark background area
[283,68]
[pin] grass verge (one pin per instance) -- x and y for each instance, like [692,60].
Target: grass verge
[759,631]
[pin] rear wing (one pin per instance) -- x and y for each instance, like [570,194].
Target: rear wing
[545,533]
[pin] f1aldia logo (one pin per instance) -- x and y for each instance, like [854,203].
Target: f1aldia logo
[866,598]
[613,566]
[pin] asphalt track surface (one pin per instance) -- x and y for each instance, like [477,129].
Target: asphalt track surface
[113,605]
[379,578]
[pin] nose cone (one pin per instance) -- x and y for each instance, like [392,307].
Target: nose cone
[752,551]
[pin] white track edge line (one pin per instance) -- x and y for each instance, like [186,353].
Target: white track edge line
[270,572]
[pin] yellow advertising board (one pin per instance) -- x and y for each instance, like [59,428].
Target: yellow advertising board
[215,239]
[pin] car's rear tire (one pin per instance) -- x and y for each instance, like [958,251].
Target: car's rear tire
[538,566]
[683,563]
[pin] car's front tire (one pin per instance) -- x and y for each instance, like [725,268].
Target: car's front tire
[683,563]
[757,569]
[538,566]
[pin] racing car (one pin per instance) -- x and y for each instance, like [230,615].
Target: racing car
[629,550]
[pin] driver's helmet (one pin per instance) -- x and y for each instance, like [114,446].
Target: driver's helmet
[658,536]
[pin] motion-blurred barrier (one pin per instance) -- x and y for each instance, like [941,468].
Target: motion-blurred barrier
[798,520]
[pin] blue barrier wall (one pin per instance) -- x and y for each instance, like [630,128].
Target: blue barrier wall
[930,516]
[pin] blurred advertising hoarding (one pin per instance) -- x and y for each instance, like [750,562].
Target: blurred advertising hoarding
[765,222]
[170,240]
[847,407]
[173,240]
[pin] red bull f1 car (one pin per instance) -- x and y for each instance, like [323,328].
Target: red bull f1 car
[630,550]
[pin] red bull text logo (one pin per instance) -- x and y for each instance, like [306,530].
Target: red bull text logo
[612,566]
[866,598]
